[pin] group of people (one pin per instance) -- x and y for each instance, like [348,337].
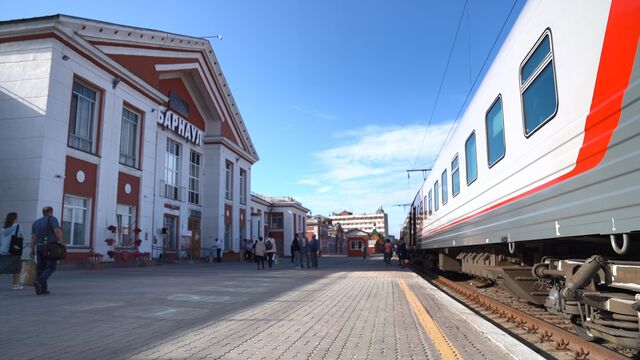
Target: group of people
[16,256]
[400,249]
[262,250]
[303,248]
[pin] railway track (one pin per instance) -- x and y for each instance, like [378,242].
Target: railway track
[551,334]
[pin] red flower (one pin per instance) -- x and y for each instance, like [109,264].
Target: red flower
[137,230]
[109,241]
[112,228]
[137,242]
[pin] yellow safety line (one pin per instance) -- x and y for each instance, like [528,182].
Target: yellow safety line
[442,344]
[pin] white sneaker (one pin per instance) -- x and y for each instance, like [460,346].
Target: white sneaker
[17,287]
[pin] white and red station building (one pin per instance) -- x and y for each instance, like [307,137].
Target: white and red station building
[128,133]
[278,217]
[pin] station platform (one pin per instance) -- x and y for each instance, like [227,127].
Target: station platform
[347,309]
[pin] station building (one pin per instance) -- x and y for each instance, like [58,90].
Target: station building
[132,136]
[280,218]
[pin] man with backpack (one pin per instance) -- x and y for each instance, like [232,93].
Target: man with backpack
[270,250]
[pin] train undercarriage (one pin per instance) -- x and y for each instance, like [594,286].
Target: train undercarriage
[595,284]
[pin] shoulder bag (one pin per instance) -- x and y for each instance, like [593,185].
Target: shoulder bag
[15,246]
[54,250]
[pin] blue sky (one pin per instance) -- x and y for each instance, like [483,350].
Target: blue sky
[336,94]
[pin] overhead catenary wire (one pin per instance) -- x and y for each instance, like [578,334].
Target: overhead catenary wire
[475,81]
[444,75]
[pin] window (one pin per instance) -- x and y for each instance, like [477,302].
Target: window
[436,196]
[229,181]
[172,170]
[170,223]
[82,127]
[194,177]
[356,245]
[538,86]
[495,132]
[277,220]
[445,193]
[129,138]
[426,212]
[227,237]
[75,221]
[243,186]
[470,155]
[430,203]
[125,217]
[455,176]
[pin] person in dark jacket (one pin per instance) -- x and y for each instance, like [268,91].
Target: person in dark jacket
[314,247]
[295,249]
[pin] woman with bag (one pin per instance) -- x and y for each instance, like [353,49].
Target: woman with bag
[11,249]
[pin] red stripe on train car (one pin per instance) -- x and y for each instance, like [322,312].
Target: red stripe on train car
[612,80]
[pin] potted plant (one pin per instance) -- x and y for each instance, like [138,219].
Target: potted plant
[110,241]
[143,259]
[111,253]
[95,260]
[137,243]
[112,228]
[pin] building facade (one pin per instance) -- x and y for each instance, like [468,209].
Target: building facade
[279,218]
[132,136]
[319,226]
[364,222]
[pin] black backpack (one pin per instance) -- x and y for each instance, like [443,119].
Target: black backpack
[268,245]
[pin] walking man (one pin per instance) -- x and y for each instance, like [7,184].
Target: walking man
[270,250]
[304,252]
[258,252]
[387,252]
[295,250]
[218,246]
[313,251]
[44,230]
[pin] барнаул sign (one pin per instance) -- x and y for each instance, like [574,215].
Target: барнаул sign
[180,126]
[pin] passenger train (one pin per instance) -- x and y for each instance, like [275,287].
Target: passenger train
[538,186]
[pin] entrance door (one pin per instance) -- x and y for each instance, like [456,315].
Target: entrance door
[194,227]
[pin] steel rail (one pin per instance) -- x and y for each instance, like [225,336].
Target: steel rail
[564,340]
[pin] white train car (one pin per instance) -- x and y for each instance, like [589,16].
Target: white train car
[544,166]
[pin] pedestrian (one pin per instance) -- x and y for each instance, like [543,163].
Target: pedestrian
[258,252]
[364,250]
[304,252]
[313,251]
[43,231]
[270,250]
[295,250]
[402,252]
[248,254]
[10,260]
[218,246]
[243,250]
[388,250]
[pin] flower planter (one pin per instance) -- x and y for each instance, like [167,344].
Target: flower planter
[95,261]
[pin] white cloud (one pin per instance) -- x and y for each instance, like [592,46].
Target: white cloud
[369,170]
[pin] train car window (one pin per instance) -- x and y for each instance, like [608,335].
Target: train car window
[436,196]
[426,213]
[455,176]
[494,121]
[471,158]
[430,203]
[445,191]
[538,85]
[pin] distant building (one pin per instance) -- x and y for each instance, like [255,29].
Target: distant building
[364,222]
[279,218]
[356,238]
